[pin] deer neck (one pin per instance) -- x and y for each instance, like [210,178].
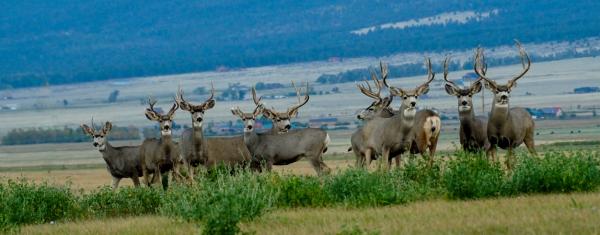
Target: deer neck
[466,118]
[499,114]
[251,140]
[108,150]
[166,139]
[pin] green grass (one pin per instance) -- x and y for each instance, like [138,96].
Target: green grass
[221,201]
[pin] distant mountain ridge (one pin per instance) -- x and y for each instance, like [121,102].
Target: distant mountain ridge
[58,42]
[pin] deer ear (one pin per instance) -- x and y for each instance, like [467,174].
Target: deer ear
[151,115]
[451,90]
[87,130]
[107,127]
[423,90]
[386,102]
[184,105]
[209,104]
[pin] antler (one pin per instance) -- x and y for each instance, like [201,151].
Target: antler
[430,73]
[179,98]
[480,66]
[446,61]
[93,126]
[256,100]
[301,103]
[368,91]
[173,109]
[212,92]
[151,103]
[523,54]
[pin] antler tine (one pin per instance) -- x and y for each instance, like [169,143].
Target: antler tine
[480,67]
[384,73]
[173,109]
[179,97]
[93,126]
[376,80]
[151,102]
[212,92]
[523,54]
[254,98]
[430,73]
[300,103]
[368,91]
[446,62]
[297,92]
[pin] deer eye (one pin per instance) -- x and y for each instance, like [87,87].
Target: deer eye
[470,95]
[404,97]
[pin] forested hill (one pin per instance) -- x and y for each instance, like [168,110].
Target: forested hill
[61,41]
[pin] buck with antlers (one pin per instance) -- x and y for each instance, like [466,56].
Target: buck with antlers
[426,128]
[121,162]
[282,120]
[392,136]
[283,148]
[473,129]
[196,150]
[158,156]
[507,127]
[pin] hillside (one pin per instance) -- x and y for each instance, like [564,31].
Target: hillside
[57,42]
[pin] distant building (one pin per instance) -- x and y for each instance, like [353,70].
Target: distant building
[548,112]
[586,89]
[329,122]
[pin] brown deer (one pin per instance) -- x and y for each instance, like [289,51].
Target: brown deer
[391,137]
[196,149]
[121,162]
[507,127]
[282,120]
[158,156]
[473,129]
[284,148]
[426,128]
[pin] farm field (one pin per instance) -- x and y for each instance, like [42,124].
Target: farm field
[576,213]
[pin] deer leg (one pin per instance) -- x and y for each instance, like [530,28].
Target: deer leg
[509,158]
[529,142]
[397,160]
[115,182]
[190,172]
[385,161]
[145,174]
[432,149]
[368,157]
[136,181]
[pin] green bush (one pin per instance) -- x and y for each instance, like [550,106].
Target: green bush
[301,191]
[473,176]
[123,202]
[223,202]
[555,172]
[23,202]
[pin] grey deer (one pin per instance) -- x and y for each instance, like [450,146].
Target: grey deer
[285,148]
[473,129]
[121,162]
[196,149]
[507,127]
[282,120]
[391,137]
[159,156]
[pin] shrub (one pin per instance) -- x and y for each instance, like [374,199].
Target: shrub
[555,172]
[473,176]
[123,202]
[301,191]
[27,203]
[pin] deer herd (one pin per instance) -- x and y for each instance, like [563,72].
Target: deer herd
[386,133]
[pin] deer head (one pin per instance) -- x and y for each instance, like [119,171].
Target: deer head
[409,97]
[379,102]
[165,120]
[99,137]
[248,118]
[501,91]
[464,95]
[281,120]
[197,111]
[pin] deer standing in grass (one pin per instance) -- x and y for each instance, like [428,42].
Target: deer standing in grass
[284,148]
[282,120]
[196,149]
[507,127]
[159,156]
[121,162]
[426,128]
[473,129]
[392,136]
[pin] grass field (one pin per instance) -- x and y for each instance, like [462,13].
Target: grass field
[535,214]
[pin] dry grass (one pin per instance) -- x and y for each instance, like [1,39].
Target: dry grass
[538,214]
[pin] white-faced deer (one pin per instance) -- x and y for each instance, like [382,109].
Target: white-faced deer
[473,129]
[121,162]
[391,137]
[507,127]
[196,149]
[285,148]
[158,156]
[282,120]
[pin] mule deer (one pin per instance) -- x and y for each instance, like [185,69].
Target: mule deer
[391,137]
[284,148]
[121,162]
[196,149]
[507,127]
[282,120]
[473,129]
[158,156]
